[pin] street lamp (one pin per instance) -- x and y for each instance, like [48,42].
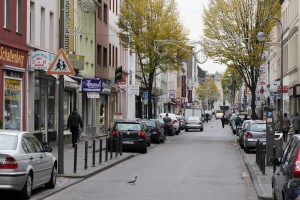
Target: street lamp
[261,36]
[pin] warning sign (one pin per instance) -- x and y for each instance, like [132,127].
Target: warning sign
[61,65]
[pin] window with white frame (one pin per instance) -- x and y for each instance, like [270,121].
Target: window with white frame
[19,16]
[7,14]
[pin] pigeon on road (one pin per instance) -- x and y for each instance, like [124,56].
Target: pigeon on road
[132,181]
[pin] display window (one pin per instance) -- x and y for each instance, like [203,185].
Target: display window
[12,103]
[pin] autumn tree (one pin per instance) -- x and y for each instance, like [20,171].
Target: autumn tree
[230,29]
[231,81]
[142,23]
[208,90]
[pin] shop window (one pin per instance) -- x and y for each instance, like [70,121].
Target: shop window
[12,103]
[102,115]
[44,105]
[90,112]
[68,106]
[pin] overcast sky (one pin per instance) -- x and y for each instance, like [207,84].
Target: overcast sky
[191,12]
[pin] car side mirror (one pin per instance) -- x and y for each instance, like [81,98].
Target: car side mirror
[273,161]
[47,148]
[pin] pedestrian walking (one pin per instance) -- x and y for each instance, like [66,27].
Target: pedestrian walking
[74,121]
[167,125]
[296,123]
[286,126]
[223,120]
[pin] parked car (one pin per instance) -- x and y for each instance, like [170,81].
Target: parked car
[135,135]
[193,123]
[156,130]
[241,131]
[255,131]
[24,163]
[286,178]
[175,121]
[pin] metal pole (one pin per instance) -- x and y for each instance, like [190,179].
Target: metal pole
[61,99]
[100,152]
[86,155]
[94,152]
[281,80]
[75,158]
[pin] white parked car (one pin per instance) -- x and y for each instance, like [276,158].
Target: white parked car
[175,121]
[24,163]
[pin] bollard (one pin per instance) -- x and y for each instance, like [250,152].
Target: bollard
[257,152]
[75,158]
[100,152]
[120,145]
[117,146]
[264,160]
[94,152]
[111,148]
[106,150]
[260,155]
[86,155]
[274,155]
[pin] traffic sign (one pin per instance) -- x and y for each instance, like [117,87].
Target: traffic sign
[61,65]
[145,95]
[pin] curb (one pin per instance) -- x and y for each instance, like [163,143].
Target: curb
[254,179]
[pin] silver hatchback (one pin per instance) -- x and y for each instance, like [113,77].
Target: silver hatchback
[24,163]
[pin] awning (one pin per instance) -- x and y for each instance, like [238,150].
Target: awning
[68,82]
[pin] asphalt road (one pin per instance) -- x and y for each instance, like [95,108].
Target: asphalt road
[193,165]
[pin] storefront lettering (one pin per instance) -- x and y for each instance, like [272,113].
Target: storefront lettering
[11,56]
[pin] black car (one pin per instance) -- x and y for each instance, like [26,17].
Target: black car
[156,130]
[135,135]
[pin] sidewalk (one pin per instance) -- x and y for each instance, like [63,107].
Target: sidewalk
[261,182]
[91,170]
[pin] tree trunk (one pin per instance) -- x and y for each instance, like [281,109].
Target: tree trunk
[253,106]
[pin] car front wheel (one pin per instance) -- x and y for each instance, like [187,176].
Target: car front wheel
[51,184]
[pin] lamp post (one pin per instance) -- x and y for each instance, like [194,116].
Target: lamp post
[261,36]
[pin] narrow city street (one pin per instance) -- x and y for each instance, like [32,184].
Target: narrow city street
[193,165]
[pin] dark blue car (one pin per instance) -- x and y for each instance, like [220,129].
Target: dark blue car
[286,179]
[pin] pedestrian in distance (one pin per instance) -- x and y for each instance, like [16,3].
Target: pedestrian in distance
[167,124]
[286,126]
[223,120]
[74,121]
[296,123]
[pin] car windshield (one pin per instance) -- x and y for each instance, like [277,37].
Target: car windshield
[258,127]
[128,127]
[150,123]
[8,142]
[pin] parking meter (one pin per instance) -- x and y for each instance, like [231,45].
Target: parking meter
[270,132]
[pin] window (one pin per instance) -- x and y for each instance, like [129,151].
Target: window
[105,14]
[42,27]
[113,56]
[109,55]
[32,22]
[116,57]
[100,10]
[68,106]
[7,14]
[8,142]
[51,31]
[105,57]
[90,112]
[99,55]
[19,16]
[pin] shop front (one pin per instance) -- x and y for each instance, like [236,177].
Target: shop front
[13,63]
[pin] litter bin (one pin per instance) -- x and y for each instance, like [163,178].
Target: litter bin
[278,143]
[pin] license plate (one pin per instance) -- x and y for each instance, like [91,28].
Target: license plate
[128,142]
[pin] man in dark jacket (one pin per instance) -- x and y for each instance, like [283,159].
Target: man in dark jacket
[74,121]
